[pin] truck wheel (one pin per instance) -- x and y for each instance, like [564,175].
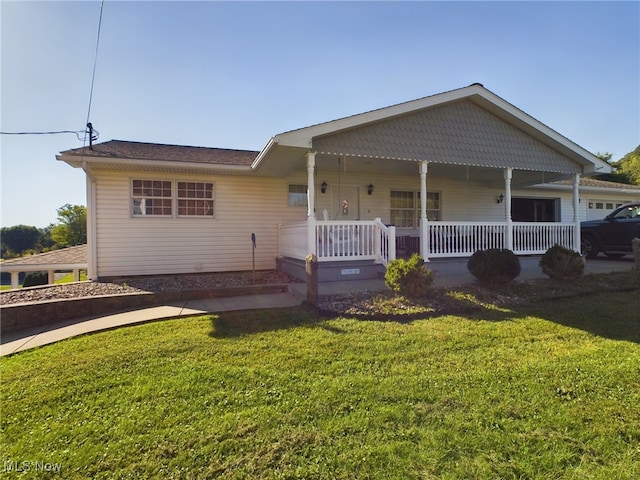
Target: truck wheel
[588,247]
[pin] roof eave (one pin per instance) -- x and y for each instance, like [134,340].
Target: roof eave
[79,161]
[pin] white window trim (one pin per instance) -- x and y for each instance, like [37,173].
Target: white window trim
[212,199]
[133,198]
[174,199]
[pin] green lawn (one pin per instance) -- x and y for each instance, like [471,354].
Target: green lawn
[549,390]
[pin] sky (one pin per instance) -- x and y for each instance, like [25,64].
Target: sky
[234,74]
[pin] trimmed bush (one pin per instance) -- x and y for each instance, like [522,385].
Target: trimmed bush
[34,279]
[410,278]
[560,263]
[494,266]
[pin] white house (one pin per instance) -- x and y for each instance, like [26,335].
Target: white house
[444,175]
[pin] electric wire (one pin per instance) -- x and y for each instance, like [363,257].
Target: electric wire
[95,63]
[82,135]
[77,133]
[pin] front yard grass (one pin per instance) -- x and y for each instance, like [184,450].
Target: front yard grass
[544,388]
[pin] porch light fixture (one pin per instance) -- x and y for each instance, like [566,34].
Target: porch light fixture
[323,187]
[370,188]
[500,198]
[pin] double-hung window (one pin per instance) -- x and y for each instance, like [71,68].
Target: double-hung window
[405,208]
[152,198]
[161,198]
[195,199]
[298,196]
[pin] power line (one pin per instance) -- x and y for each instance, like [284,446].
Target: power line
[77,133]
[93,76]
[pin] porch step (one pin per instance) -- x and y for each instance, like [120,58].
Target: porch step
[333,271]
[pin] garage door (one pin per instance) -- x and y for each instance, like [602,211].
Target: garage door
[601,208]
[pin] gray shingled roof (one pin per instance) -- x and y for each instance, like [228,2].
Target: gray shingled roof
[64,256]
[593,182]
[174,153]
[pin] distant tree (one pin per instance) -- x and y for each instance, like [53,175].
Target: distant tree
[606,156]
[19,238]
[71,228]
[46,243]
[629,166]
[625,170]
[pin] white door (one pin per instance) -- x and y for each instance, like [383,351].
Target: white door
[345,203]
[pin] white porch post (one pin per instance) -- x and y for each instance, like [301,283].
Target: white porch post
[424,225]
[508,174]
[576,212]
[15,280]
[311,201]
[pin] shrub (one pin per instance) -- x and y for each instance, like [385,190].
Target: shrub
[560,263]
[410,278]
[494,266]
[35,278]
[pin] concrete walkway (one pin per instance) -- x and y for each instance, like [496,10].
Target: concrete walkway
[446,275]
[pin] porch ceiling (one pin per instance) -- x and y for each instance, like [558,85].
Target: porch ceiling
[290,159]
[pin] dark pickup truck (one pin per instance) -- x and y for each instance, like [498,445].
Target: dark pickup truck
[613,234]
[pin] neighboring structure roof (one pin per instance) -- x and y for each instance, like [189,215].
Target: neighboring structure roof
[64,257]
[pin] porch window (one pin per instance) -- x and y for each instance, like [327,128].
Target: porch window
[195,199]
[298,196]
[405,208]
[151,198]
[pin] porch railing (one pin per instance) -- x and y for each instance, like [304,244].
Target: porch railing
[537,238]
[461,239]
[359,240]
[372,240]
[340,240]
[292,240]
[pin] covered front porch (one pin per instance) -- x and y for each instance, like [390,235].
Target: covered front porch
[443,176]
[348,240]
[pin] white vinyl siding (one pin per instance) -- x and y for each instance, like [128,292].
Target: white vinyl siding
[160,245]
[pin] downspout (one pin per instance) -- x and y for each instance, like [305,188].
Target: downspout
[92,253]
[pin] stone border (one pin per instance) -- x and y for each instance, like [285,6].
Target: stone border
[37,314]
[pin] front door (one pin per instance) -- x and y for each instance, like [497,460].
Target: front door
[345,203]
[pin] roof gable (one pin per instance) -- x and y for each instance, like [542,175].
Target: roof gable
[309,138]
[458,133]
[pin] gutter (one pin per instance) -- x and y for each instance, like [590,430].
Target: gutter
[271,144]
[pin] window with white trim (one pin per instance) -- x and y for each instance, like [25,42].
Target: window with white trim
[195,199]
[151,198]
[405,208]
[298,196]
